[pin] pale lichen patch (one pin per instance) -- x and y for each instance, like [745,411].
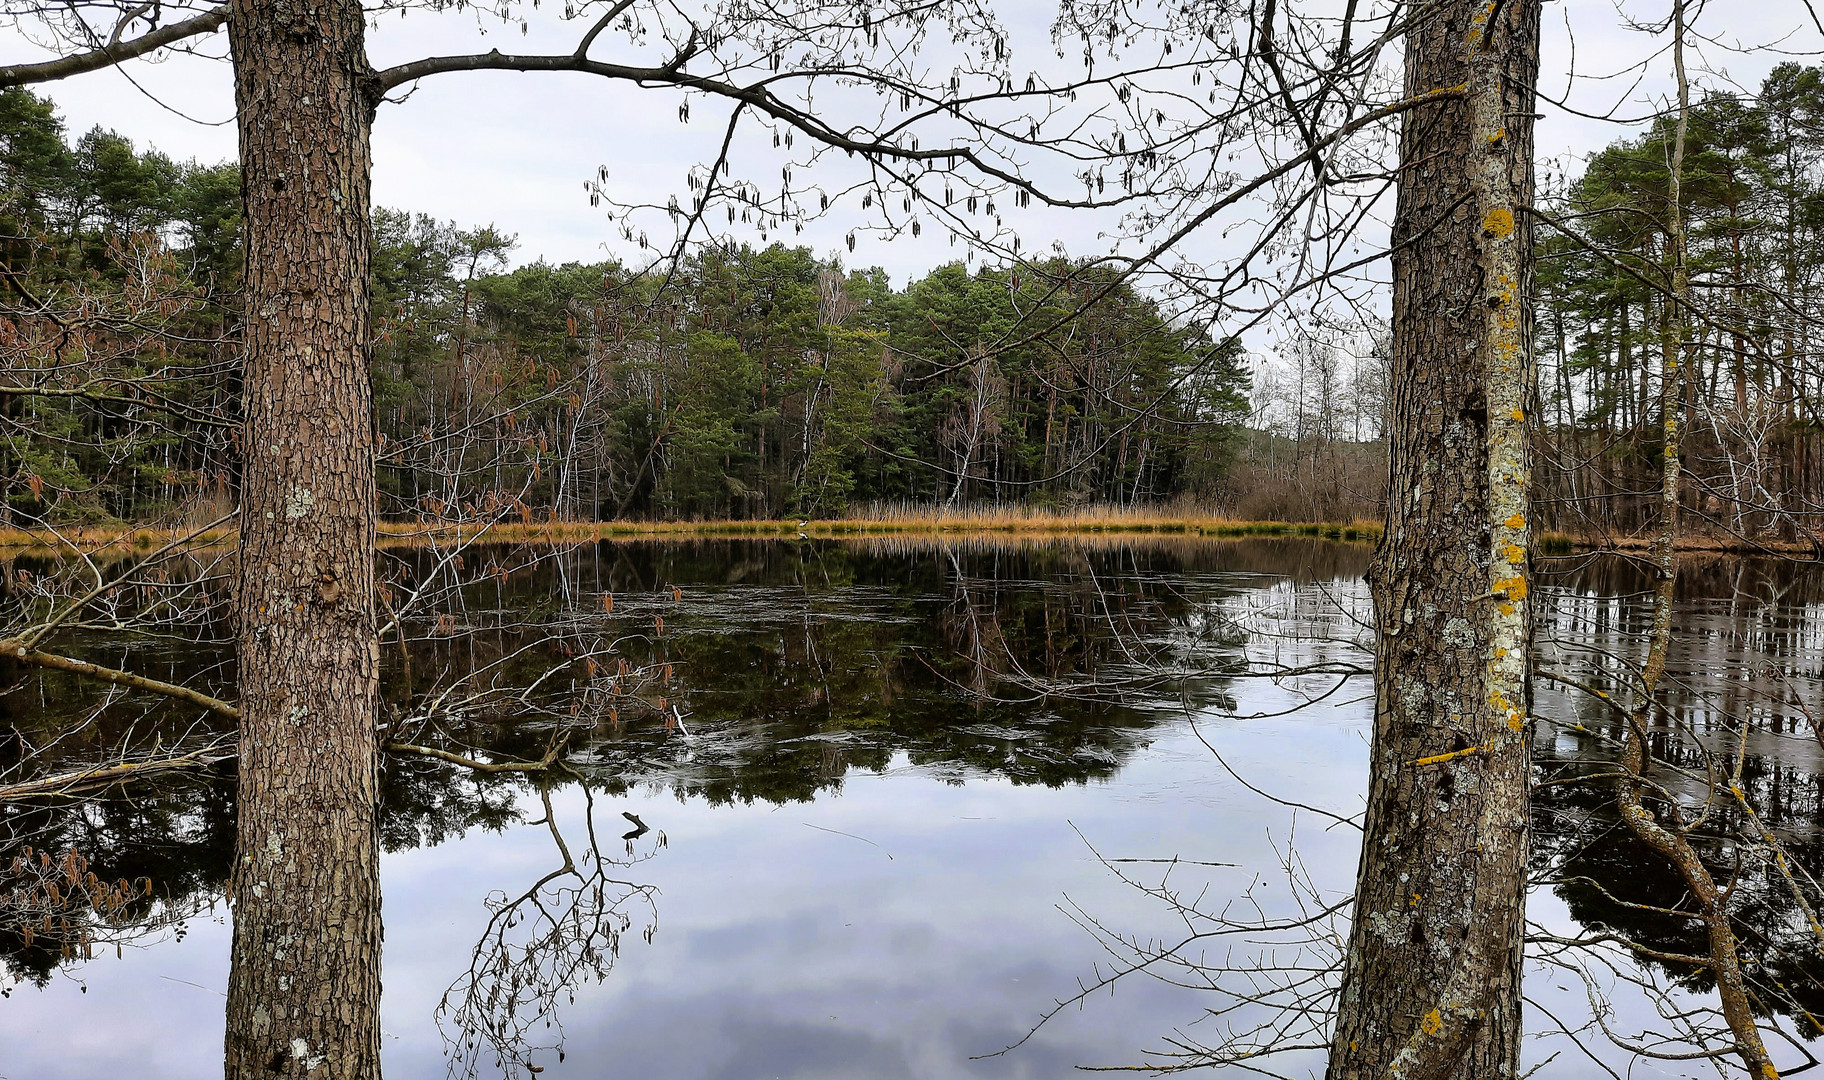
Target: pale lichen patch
[299,503]
[1391,928]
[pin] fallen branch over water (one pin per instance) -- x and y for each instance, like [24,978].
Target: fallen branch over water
[18,650]
[550,758]
[100,776]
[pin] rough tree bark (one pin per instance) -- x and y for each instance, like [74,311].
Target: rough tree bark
[1431,986]
[304,993]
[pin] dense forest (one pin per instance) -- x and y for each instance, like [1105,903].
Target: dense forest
[744,383]
[762,383]
[1753,208]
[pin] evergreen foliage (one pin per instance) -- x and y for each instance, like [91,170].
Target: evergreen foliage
[1753,200]
[746,383]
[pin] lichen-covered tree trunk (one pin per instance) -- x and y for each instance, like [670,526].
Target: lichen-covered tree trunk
[1431,986]
[304,992]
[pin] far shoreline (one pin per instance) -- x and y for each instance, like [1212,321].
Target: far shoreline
[1107,524]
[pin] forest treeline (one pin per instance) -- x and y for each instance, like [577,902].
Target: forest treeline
[1752,201]
[762,383]
[742,383]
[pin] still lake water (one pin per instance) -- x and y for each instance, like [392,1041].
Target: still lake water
[885,782]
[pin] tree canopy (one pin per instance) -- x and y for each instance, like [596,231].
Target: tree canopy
[742,382]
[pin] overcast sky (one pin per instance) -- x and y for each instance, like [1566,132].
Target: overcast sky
[515,150]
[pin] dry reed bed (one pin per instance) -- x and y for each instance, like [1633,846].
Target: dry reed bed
[1049,525]
[1115,525]
[402,534]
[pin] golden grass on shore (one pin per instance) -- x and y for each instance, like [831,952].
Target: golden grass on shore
[1092,519]
[888,521]
[97,538]
[892,520]
[895,523]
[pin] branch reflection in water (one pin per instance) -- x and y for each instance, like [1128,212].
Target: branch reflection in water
[957,705]
[563,932]
[1627,960]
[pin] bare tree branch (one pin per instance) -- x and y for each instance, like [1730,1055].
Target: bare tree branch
[110,54]
[19,651]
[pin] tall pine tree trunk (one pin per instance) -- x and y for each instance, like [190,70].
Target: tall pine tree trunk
[304,993]
[1431,986]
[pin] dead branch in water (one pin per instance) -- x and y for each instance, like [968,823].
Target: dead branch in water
[557,747]
[19,650]
[80,780]
[100,776]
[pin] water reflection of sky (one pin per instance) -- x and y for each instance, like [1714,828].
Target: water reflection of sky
[782,949]
[898,923]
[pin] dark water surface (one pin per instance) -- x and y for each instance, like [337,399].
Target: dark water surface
[880,779]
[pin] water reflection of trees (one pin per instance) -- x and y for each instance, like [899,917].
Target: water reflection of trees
[171,847]
[113,872]
[166,609]
[862,650]
[1730,740]
[1733,753]
[177,839]
[736,671]
[791,664]
[743,671]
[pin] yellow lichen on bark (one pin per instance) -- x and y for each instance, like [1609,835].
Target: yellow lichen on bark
[1439,759]
[1452,582]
